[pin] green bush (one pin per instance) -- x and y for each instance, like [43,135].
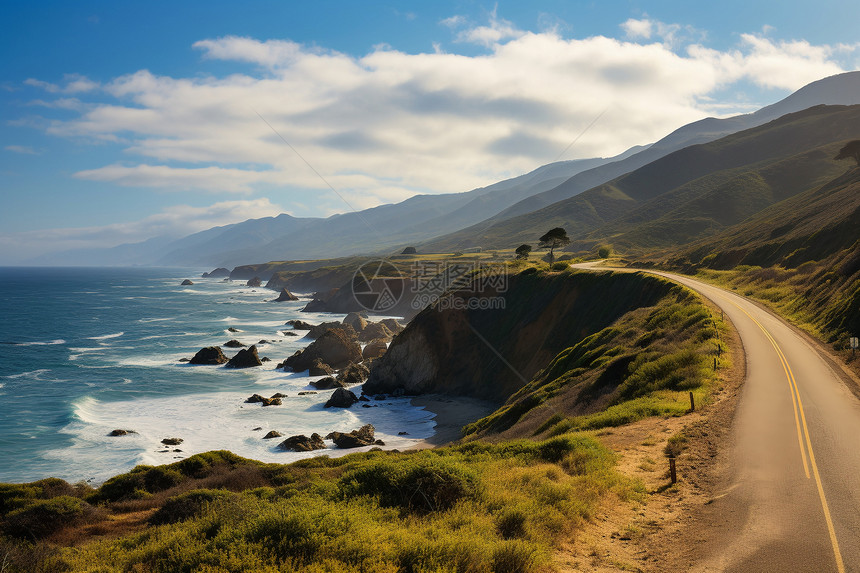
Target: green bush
[44,517]
[560,266]
[139,482]
[187,505]
[420,485]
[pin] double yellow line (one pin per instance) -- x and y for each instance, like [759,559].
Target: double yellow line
[802,433]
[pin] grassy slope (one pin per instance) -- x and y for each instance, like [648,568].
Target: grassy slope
[468,508]
[788,136]
[801,257]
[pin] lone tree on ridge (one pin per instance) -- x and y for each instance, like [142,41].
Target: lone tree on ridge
[851,150]
[553,239]
[523,251]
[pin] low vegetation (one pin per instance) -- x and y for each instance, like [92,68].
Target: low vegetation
[475,507]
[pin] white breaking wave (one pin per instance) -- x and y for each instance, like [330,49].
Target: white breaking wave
[106,336]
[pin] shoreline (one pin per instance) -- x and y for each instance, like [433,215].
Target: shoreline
[451,414]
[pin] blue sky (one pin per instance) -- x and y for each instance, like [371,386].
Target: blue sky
[122,121]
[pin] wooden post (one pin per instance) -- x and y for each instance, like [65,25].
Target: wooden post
[692,403]
[672,474]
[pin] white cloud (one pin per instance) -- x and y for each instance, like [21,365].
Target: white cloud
[213,179]
[23,149]
[637,29]
[74,83]
[390,124]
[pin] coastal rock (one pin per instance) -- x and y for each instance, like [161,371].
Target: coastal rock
[286,296]
[209,355]
[185,360]
[302,443]
[254,282]
[273,434]
[356,321]
[300,324]
[278,395]
[334,348]
[341,398]
[353,374]
[119,432]
[393,325]
[288,333]
[256,398]
[233,329]
[355,439]
[218,273]
[271,402]
[172,441]
[320,368]
[320,329]
[187,282]
[306,393]
[326,383]
[374,349]
[245,358]
[234,344]
[265,359]
[375,330]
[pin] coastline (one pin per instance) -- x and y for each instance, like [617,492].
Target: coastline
[451,414]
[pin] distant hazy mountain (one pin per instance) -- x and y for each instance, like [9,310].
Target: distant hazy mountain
[371,230]
[690,192]
[841,89]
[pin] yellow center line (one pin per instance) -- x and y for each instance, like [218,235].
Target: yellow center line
[798,405]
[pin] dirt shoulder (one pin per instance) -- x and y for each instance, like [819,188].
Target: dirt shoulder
[661,531]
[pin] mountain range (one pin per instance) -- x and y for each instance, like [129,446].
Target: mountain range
[621,200]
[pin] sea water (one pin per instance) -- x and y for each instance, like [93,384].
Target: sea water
[85,351]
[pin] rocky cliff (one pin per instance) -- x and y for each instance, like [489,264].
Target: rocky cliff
[490,344]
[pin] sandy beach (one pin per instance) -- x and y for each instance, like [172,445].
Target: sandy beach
[452,413]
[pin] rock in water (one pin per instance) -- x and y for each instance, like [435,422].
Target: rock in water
[326,383]
[320,368]
[355,439]
[286,295]
[209,355]
[334,348]
[341,398]
[254,282]
[218,273]
[356,321]
[233,329]
[300,324]
[187,282]
[234,344]
[353,374]
[245,358]
[375,330]
[302,443]
[172,441]
[119,432]
[272,434]
[374,349]
[320,329]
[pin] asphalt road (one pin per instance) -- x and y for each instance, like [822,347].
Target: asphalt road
[792,495]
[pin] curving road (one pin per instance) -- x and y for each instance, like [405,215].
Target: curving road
[792,502]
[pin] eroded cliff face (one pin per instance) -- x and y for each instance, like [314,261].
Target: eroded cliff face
[492,353]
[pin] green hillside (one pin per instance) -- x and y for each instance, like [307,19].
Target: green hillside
[725,180]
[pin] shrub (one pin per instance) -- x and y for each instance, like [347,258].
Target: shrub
[139,482]
[604,252]
[511,523]
[560,266]
[514,556]
[420,485]
[44,517]
[187,505]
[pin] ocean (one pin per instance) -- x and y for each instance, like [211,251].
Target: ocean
[84,351]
